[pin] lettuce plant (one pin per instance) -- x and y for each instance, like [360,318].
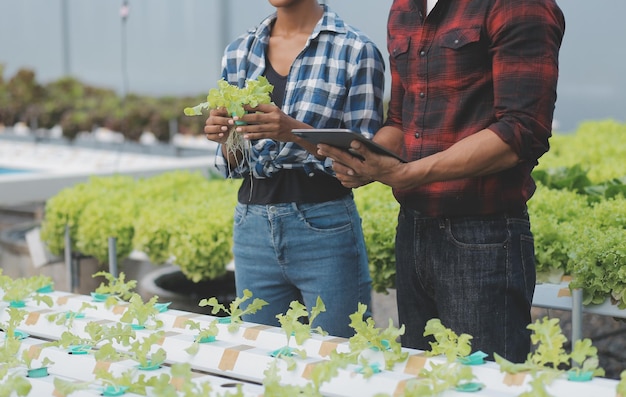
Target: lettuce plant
[235,100]
[234,310]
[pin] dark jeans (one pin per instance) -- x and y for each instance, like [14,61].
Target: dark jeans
[476,274]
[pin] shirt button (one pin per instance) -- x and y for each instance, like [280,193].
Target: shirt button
[422,95]
[417,135]
[456,41]
[422,53]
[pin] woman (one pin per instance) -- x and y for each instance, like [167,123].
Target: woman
[297,233]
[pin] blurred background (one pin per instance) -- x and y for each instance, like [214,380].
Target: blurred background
[173,47]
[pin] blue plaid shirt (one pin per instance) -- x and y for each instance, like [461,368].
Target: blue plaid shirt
[337,81]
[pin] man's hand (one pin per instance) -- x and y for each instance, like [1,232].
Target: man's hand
[353,171]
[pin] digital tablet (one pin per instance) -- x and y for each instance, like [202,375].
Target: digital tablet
[341,138]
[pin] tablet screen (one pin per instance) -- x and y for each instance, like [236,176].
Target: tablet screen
[341,138]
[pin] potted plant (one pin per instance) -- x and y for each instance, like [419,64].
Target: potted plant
[113,289]
[297,329]
[36,368]
[142,315]
[234,310]
[97,337]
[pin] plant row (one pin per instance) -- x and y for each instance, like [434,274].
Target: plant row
[117,325]
[78,107]
[179,216]
[578,214]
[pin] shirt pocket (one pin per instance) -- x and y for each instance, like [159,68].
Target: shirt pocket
[399,50]
[466,56]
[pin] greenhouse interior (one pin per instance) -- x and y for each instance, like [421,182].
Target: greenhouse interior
[117,272]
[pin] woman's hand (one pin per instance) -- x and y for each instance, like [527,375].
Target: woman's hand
[268,122]
[218,125]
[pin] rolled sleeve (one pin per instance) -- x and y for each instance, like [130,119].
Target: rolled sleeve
[525,50]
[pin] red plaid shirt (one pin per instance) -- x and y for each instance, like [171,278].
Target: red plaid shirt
[468,66]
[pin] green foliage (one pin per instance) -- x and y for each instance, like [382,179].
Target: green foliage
[236,308]
[549,357]
[13,384]
[233,98]
[201,240]
[293,327]
[367,336]
[204,333]
[598,264]
[584,358]
[107,216]
[612,188]
[163,199]
[9,349]
[447,342]
[272,385]
[143,314]
[379,212]
[598,145]
[64,388]
[77,106]
[28,360]
[66,207]
[127,380]
[20,289]
[581,238]
[175,216]
[569,178]
[99,335]
[116,288]
[548,340]
[141,350]
[578,213]
[439,379]
[153,230]
[621,386]
[67,318]
[556,217]
[191,225]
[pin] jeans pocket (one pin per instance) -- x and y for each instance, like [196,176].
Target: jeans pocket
[476,233]
[328,217]
[240,214]
[527,252]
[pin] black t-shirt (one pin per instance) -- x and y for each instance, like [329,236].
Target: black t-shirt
[288,186]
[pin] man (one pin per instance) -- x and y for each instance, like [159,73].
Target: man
[472,100]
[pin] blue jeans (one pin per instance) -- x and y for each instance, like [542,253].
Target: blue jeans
[476,274]
[287,252]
